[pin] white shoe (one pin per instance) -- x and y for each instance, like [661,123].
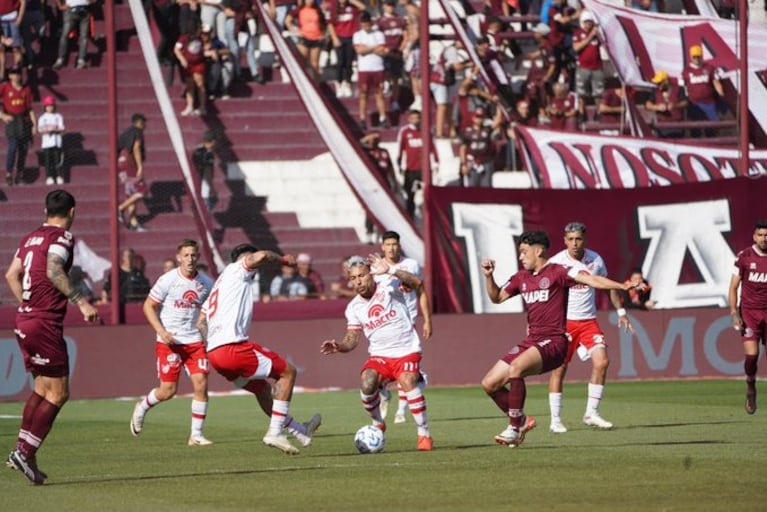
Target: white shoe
[59,181]
[199,441]
[385,398]
[400,417]
[137,420]
[187,112]
[512,437]
[281,443]
[50,181]
[557,427]
[311,427]
[595,420]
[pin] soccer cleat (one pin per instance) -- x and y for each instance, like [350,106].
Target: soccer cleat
[385,398]
[50,181]
[751,402]
[311,426]
[595,420]
[425,444]
[512,437]
[557,427]
[380,426]
[281,443]
[400,417]
[29,467]
[199,441]
[137,420]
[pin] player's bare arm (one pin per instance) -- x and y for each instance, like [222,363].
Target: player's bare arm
[59,278]
[13,277]
[425,305]
[152,314]
[202,325]
[623,318]
[256,259]
[350,341]
[737,321]
[604,283]
[494,292]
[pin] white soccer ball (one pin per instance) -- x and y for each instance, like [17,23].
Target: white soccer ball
[369,439]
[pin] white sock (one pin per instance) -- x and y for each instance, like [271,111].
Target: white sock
[280,410]
[402,404]
[595,396]
[149,401]
[372,405]
[199,411]
[417,403]
[555,406]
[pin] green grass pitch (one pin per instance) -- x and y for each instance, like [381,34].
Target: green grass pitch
[676,446]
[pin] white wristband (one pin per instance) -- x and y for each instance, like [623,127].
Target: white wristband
[621,311]
[391,271]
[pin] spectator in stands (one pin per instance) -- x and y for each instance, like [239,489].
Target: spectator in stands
[32,29]
[11,15]
[393,27]
[168,264]
[344,22]
[380,156]
[81,283]
[471,96]
[204,160]
[219,69]
[20,124]
[562,109]
[409,148]
[648,5]
[130,164]
[188,16]
[212,14]
[234,22]
[668,104]
[166,17]
[633,298]
[370,48]
[250,29]
[503,47]
[589,76]
[51,126]
[477,153]
[442,84]
[189,53]
[134,285]
[523,116]
[342,288]
[562,20]
[77,15]
[612,108]
[541,79]
[308,274]
[307,22]
[412,66]
[289,285]
[703,89]
[495,71]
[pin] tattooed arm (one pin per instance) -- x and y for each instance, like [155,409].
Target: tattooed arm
[350,341]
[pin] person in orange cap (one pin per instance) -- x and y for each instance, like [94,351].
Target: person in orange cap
[703,88]
[668,103]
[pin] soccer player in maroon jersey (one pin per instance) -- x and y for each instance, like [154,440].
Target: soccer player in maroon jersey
[544,289]
[38,278]
[750,316]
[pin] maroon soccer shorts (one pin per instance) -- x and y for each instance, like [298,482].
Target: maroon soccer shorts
[42,344]
[755,325]
[553,350]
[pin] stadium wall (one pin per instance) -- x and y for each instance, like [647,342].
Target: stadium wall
[119,361]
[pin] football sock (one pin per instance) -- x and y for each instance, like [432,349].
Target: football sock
[42,422]
[372,404]
[501,399]
[749,366]
[403,400]
[199,411]
[417,403]
[555,406]
[149,401]
[280,410]
[26,419]
[517,394]
[595,396]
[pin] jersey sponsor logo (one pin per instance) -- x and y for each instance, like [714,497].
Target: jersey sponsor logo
[536,296]
[64,240]
[379,316]
[757,277]
[190,300]
[40,360]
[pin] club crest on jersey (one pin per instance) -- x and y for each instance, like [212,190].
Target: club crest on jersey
[544,283]
[379,316]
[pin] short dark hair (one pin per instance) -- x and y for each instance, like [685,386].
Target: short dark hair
[58,203]
[240,250]
[138,116]
[365,17]
[390,235]
[535,238]
[187,242]
[761,224]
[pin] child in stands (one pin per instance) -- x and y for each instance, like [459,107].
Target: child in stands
[51,127]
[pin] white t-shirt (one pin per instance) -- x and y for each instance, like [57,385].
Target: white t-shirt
[370,61]
[385,321]
[411,297]
[181,300]
[50,121]
[581,304]
[229,308]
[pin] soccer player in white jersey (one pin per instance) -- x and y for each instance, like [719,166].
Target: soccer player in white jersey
[225,322]
[586,336]
[392,253]
[380,312]
[172,309]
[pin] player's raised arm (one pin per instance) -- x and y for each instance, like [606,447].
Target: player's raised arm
[494,292]
[604,283]
[256,259]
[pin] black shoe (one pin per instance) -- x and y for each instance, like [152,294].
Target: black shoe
[261,79]
[386,124]
[363,126]
[751,402]
[29,467]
